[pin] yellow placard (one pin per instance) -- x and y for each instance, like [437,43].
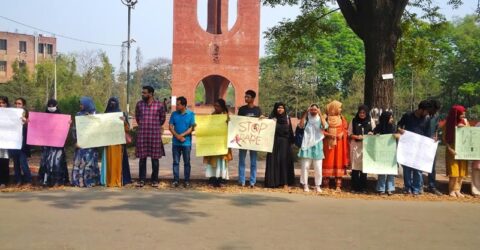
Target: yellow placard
[211,135]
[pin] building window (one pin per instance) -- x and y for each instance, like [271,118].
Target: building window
[22,64]
[3,44]
[22,46]
[41,48]
[50,49]
[3,66]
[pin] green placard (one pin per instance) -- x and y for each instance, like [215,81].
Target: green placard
[380,154]
[467,143]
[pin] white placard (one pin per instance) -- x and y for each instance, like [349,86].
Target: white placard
[11,128]
[416,151]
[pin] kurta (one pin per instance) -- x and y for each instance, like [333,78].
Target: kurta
[336,158]
[279,167]
[150,118]
[455,168]
[112,166]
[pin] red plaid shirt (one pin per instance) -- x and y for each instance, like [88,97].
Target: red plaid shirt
[150,119]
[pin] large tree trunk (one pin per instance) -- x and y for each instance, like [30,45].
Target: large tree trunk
[377,23]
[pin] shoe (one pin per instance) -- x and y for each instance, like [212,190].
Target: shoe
[252,185]
[175,184]
[389,193]
[435,191]
[140,184]
[416,194]
[241,185]
[305,188]
[407,192]
[381,193]
[318,189]
[187,184]
[3,186]
[459,194]
[155,184]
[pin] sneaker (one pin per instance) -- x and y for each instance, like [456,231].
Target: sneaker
[140,184]
[435,191]
[155,184]
[252,185]
[318,189]
[187,184]
[175,184]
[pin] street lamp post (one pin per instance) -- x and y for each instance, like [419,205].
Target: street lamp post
[130,4]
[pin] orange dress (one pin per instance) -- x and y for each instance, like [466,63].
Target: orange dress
[336,157]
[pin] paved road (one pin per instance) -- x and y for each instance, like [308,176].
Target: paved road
[135,219]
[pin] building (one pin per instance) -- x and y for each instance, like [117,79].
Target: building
[27,49]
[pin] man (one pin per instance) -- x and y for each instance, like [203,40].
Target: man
[418,123]
[150,116]
[182,123]
[249,110]
[434,119]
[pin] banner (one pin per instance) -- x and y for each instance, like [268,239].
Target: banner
[46,129]
[251,133]
[467,143]
[11,128]
[416,151]
[380,154]
[211,135]
[100,130]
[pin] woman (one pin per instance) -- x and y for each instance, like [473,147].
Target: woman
[85,171]
[386,126]
[312,146]
[216,168]
[476,176]
[4,159]
[360,126]
[335,146]
[53,165]
[20,156]
[279,171]
[456,169]
[115,166]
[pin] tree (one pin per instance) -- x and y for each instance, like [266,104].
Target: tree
[378,24]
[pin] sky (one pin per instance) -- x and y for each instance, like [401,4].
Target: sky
[105,21]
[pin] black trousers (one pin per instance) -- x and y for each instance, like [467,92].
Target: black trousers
[359,180]
[4,171]
[143,169]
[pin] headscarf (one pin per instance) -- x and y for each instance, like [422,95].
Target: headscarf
[453,120]
[88,106]
[312,134]
[384,127]
[358,124]
[113,108]
[53,103]
[281,118]
[334,120]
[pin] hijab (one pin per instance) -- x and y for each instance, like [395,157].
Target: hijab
[334,120]
[281,118]
[113,105]
[362,126]
[453,120]
[384,127]
[52,103]
[312,135]
[88,106]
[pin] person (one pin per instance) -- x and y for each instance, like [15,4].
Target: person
[249,110]
[182,123]
[360,126]
[4,157]
[85,172]
[335,146]
[53,164]
[457,170]
[216,167]
[386,125]
[433,128]
[475,185]
[279,170]
[150,116]
[20,157]
[115,167]
[311,150]
[415,122]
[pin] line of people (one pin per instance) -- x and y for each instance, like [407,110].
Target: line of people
[326,141]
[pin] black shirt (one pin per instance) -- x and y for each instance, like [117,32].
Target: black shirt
[251,112]
[414,124]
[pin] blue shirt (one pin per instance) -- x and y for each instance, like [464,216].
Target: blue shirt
[181,123]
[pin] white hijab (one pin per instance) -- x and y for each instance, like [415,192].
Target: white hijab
[312,135]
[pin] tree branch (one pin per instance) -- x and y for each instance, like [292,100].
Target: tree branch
[351,16]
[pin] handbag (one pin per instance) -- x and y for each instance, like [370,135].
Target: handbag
[299,133]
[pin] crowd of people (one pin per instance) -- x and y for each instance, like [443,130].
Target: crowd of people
[326,141]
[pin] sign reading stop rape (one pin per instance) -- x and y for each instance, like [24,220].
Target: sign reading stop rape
[251,133]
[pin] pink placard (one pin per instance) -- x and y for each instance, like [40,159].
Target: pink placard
[46,129]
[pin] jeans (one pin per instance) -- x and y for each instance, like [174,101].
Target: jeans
[241,166]
[185,152]
[412,180]
[143,169]
[432,178]
[20,167]
[386,183]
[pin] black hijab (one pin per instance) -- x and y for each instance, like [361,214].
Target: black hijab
[113,105]
[383,126]
[362,126]
[52,103]
[281,118]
